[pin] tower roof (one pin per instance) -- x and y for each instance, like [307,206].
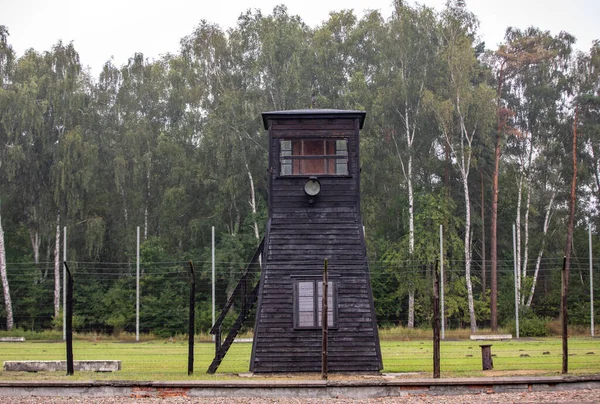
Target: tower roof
[314,114]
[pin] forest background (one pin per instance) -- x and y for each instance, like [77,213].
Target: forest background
[176,146]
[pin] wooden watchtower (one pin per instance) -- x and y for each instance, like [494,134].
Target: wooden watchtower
[314,214]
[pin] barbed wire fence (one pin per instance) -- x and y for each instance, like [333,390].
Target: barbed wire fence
[105,292]
[105,301]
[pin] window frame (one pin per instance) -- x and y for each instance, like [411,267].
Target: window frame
[317,303]
[340,154]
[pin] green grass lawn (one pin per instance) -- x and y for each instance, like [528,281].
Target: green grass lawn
[164,360]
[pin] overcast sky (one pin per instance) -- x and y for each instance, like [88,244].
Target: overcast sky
[118,28]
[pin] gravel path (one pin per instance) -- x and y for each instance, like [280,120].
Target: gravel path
[568,396]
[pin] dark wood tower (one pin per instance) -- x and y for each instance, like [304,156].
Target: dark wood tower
[314,214]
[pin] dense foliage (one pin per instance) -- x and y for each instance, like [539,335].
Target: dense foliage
[176,145]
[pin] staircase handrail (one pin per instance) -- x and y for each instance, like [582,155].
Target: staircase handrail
[237,289]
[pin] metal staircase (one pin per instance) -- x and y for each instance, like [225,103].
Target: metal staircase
[245,300]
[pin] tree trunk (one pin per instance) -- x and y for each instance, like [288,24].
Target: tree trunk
[57,269]
[518,237]
[411,209]
[464,169]
[494,242]
[447,166]
[494,218]
[526,244]
[407,171]
[483,261]
[411,309]
[410,136]
[5,287]
[253,204]
[34,236]
[468,256]
[411,239]
[541,253]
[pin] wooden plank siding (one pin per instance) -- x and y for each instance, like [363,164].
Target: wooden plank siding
[300,237]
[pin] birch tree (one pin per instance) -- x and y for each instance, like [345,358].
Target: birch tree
[5,287]
[6,65]
[519,51]
[409,54]
[588,73]
[462,111]
[538,86]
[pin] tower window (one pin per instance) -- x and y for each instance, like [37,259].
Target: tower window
[313,156]
[308,304]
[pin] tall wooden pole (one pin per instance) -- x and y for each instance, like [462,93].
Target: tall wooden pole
[563,309]
[137,286]
[515,270]
[441,281]
[213,277]
[566,265]
[591,281]
[324,321]
[436,322]
[64,284]
[69,320]
[494,218]
[192,320]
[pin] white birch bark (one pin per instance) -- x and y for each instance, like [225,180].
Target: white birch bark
[57,268]
[522,264]
[526,244]
[252,201]
[253,204]
[5,287]
[463,161]
[407,171]
[518,236]
[468,255]
[411,215]
[411,236]
[541,253]
[34,236]
[410,130]
[465,168]
[410,137]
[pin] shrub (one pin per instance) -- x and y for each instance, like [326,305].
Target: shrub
[531,326]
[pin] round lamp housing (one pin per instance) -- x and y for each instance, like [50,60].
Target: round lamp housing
[312,187]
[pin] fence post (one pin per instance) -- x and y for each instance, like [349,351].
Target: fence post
[441,280]
[324,321]
[192,320]
[591,281]
[487,363]
[64,284]
[69,320]
[436,323]
[515,270]
[137,287]
[213,280]
[565,332]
